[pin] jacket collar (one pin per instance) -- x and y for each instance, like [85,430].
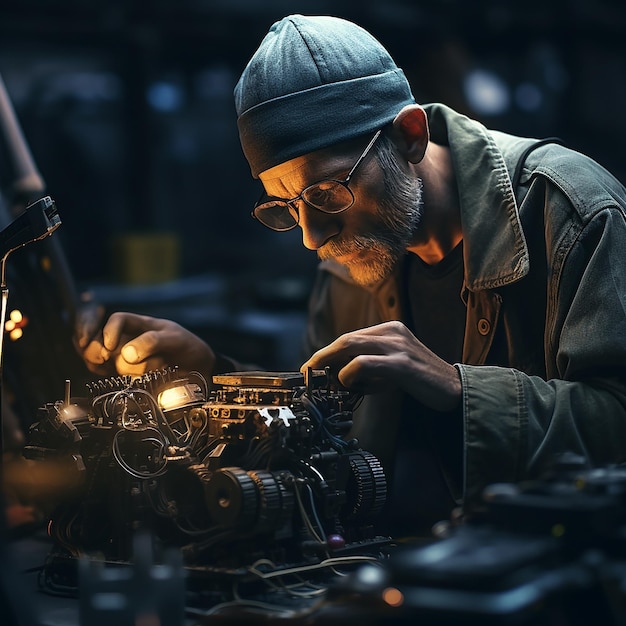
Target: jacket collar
[494,247]
[495,250]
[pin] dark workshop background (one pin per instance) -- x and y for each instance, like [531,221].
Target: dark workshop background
[128,111]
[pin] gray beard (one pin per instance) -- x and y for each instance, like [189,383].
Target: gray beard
[399,215]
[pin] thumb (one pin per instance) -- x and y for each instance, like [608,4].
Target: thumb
[130,354]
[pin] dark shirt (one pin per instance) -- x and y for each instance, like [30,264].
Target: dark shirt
[429,441]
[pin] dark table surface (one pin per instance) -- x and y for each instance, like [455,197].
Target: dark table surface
[33,603]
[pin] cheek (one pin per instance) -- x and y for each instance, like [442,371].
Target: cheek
[362,221]
[369,186]
[364,214]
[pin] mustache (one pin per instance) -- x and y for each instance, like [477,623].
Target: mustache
[341,247]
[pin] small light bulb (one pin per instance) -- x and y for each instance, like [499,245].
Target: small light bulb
[176,397]
[15,334]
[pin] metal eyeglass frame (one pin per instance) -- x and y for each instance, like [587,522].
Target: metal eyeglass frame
[291,203]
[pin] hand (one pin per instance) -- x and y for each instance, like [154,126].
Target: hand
[132,344]
[388,355]
[88,323]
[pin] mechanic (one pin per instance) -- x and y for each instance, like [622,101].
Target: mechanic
[472,284]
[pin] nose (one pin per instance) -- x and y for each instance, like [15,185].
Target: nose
[317,227]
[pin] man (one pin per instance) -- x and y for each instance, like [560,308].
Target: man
[482,310]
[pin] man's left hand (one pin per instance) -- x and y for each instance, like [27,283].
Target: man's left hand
[387,356]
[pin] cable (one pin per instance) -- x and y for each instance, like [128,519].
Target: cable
[326,563]
[305,517]
[117,454]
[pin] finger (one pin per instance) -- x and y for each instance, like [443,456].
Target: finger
[88,323]
[367,373]
[124,368]
[384,338]
[152,343]
[328,354]
[121,325]
[93,352]
[346,348]
[104,370]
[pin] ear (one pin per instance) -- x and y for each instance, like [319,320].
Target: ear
[410,132]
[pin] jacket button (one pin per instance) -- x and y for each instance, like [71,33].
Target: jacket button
[484,326]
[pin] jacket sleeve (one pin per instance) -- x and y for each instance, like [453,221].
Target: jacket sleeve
[515,424]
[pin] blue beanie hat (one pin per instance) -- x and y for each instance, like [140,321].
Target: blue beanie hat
[314,82]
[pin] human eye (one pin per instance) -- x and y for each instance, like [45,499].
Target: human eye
[276,214]
[321,194]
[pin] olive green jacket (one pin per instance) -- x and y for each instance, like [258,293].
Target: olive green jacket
[544,357]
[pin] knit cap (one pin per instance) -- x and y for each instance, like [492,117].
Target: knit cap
[313,82]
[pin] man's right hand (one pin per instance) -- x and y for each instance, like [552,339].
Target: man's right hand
[132,344]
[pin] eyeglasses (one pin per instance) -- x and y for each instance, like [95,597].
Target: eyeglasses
[328,196]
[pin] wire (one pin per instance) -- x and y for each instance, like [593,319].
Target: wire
[316,593]
[326,563]
[305,517]
[314,511]
[203,383]
[117,454]
[272,610]
[293,589]
[337,442]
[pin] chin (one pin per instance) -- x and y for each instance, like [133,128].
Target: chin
[368,276]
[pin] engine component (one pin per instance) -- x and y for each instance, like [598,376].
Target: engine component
[256,466]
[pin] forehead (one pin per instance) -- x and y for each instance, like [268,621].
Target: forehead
[298,167]
[325,163]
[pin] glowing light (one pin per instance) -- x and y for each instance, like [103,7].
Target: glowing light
[165,96]
[393,596]
[486,92]
[175,397]
[15,324]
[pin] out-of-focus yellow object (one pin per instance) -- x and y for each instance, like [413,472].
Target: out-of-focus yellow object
[146,258]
